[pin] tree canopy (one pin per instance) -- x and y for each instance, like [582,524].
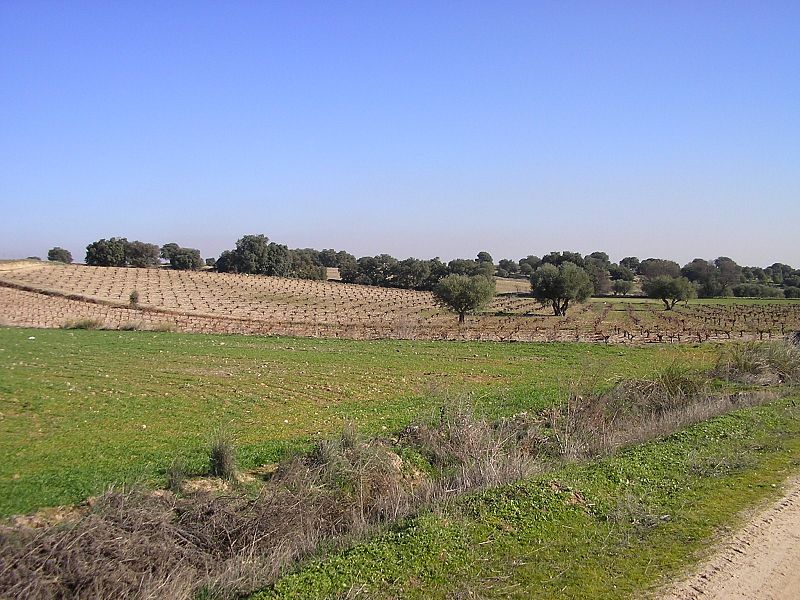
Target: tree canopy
[464,294]
[558,286]
[106,253]
[186,259]
[670,290]
[59,254]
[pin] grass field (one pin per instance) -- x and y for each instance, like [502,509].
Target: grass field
[610,529]
[80,410]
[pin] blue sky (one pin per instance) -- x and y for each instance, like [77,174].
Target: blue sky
[665,129]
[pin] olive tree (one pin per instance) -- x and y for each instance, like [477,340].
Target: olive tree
[464,294]
[621,286]
[670,290]
[558,286]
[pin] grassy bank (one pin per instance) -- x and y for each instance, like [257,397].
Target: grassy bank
[80,410]
[612,528]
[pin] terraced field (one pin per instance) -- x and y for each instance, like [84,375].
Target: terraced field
[52,295]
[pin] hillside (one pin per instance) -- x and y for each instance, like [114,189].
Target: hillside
[54,295]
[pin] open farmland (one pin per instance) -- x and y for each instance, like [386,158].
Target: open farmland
[52,295]
[82,409]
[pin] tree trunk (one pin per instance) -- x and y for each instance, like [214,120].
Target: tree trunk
[461,318]
[666,304]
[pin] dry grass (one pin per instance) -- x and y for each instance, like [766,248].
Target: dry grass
[136,544]
[83,324]
[636,411]
[762,363]
[222,457]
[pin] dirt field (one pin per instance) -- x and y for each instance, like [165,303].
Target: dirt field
[50,295]
[760,562]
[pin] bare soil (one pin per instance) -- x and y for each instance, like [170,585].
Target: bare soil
[761,561]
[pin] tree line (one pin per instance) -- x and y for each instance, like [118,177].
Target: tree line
[551,275]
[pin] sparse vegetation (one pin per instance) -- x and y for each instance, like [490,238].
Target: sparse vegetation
[608,529]
[176,475]
[83,324]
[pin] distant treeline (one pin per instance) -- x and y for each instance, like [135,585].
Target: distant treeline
[256,254]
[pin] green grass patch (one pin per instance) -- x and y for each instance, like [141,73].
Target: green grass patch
[610,529]
[83,409]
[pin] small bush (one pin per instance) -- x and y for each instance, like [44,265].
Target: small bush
[83,324]
[176,475]
[131,326]
[164,327]
[222,457]
[134,298]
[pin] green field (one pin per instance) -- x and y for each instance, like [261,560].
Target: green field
[80,410]
[609,529]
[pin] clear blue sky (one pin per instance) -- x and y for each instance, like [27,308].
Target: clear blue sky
[665,129]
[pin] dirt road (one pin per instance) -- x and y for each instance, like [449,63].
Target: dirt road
[760,562]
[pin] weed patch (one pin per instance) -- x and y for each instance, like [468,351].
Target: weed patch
[763,363]
[83,324]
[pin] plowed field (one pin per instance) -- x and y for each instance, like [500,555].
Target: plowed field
[51,295]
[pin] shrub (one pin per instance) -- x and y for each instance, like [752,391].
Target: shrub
[222,457]
[134,298]
[176,475]
[754,290]
[86,323]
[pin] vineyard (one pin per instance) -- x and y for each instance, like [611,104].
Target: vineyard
[55,295]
